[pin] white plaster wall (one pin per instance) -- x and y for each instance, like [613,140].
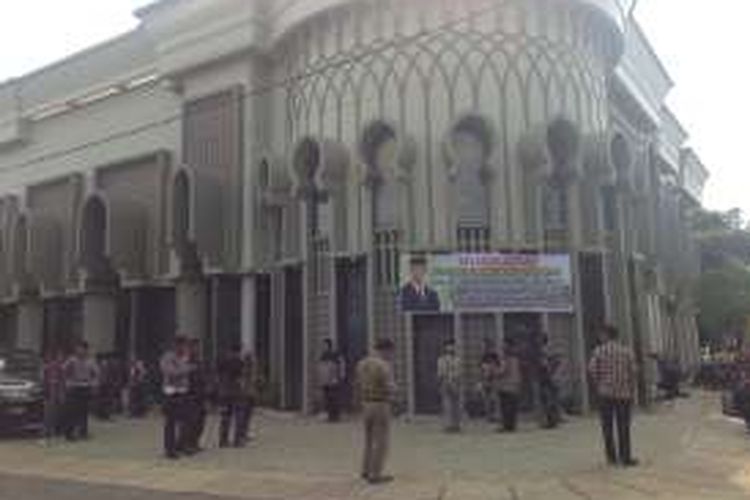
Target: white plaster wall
[530,66]
[111,130]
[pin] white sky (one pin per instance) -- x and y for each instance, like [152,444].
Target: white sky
[703,44]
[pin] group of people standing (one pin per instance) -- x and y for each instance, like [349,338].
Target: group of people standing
[185,397]
[612,368]
[502,383]
[78,385]
[69,384]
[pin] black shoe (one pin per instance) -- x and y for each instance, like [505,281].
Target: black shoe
[223,444]
[611,461]
[171,455]
[380,480]
[631,462]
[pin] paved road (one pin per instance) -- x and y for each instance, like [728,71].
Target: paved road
[19,488]
[689,451]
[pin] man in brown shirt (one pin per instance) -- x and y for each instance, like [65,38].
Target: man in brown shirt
[376,391]
[613,370]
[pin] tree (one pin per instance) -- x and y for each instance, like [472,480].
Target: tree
[724,301]
[722,239]
[723,289]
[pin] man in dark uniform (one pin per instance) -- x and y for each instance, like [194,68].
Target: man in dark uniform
[195,401]
[416,295]
[230,374]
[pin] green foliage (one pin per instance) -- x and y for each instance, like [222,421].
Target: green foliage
[724,287]
[722,238]
[724,300]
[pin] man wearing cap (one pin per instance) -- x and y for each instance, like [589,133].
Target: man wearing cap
[416,295]
[376,391]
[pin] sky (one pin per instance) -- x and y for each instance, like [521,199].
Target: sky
[702,43]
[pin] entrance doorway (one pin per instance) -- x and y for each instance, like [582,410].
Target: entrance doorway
[522,328]
[430,331]
[293,338]
[154,318]
[351,299]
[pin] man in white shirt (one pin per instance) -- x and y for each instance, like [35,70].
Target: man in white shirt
[449,378]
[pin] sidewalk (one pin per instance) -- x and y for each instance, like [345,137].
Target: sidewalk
[688,451]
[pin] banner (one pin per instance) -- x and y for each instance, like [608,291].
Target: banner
[491,282]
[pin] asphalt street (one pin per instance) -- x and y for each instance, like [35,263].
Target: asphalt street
[21,488]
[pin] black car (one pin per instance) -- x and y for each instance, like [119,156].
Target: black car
[21,395]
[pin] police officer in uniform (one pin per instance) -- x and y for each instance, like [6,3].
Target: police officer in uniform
[376,389]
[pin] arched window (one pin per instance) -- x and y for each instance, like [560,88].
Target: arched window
[93,233]
[20,247]
[471,143]
[563,141]
[379,150]
[181,209]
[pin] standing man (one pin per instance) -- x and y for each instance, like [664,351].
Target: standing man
[449,378]
[175,370]
[509,385]
[53,380]
[545,366]
[248,398]
[613,369]
[137,387]
[230,381]
[489,370]
[195,401]
[376,389]
[331,375]
[81,378]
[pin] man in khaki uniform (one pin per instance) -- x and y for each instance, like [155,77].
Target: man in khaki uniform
[376,390]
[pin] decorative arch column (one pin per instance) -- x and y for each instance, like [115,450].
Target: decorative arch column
[388,158]
[473,216]
[551,158]
[29,310]
[191,288]
[99,279]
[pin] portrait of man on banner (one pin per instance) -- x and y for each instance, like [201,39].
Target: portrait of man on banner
[416,295]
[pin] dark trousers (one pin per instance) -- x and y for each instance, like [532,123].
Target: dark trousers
[54,417]
[550,404]
[616,411]
[104,403]
[332,402]
[237,411]
[509,410]
[195,423]
[77,412]
[137,401]
[175,422]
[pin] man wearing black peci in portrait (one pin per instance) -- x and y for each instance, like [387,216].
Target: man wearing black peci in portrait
[416,295]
